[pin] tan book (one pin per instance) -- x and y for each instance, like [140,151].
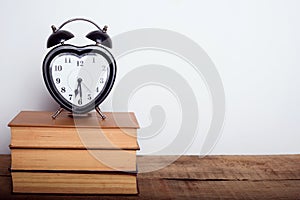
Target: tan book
[71,160]
[71,138]
[36,129]
[81,155]
[74,183]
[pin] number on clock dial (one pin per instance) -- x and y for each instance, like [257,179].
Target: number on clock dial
[79,80]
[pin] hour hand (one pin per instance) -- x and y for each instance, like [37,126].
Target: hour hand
[78,89]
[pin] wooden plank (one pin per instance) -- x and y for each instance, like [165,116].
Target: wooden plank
[222,167]
[173,189]
[43,119]
[5,162]
[190,177]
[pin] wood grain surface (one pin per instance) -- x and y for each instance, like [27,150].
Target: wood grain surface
[192,177]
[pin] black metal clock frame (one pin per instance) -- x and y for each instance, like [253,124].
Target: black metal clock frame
[70,49]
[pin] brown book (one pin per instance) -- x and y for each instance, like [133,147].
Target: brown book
[33,129]
[74,183]
[72,138]
[81,155]
[73,160]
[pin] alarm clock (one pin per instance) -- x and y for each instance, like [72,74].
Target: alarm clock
[79,78]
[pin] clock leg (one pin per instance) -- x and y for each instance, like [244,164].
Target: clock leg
[100,113]
[57,113]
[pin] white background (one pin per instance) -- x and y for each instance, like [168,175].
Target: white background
[254,45]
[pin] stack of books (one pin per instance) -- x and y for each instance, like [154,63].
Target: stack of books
[79,155]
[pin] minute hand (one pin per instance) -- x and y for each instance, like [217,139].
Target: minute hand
[86,87]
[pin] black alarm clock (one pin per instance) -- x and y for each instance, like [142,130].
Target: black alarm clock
[79,78]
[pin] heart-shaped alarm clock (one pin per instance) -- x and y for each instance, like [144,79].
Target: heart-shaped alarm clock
[79,78]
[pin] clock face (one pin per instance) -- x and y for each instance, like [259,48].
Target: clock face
[79,78]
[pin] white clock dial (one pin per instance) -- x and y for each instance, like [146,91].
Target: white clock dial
[79,79]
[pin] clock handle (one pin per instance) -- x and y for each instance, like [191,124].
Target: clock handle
[82,19]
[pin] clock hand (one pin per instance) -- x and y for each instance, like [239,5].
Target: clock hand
[78,89]
[86,87]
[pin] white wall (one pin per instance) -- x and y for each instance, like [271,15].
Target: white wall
[255,45]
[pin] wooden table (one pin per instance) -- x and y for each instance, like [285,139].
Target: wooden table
[192,177]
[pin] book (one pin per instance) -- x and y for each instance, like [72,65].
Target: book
[79,138]
[74,183]
[71,160]
[30,129]
[74,155]
[65,120]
